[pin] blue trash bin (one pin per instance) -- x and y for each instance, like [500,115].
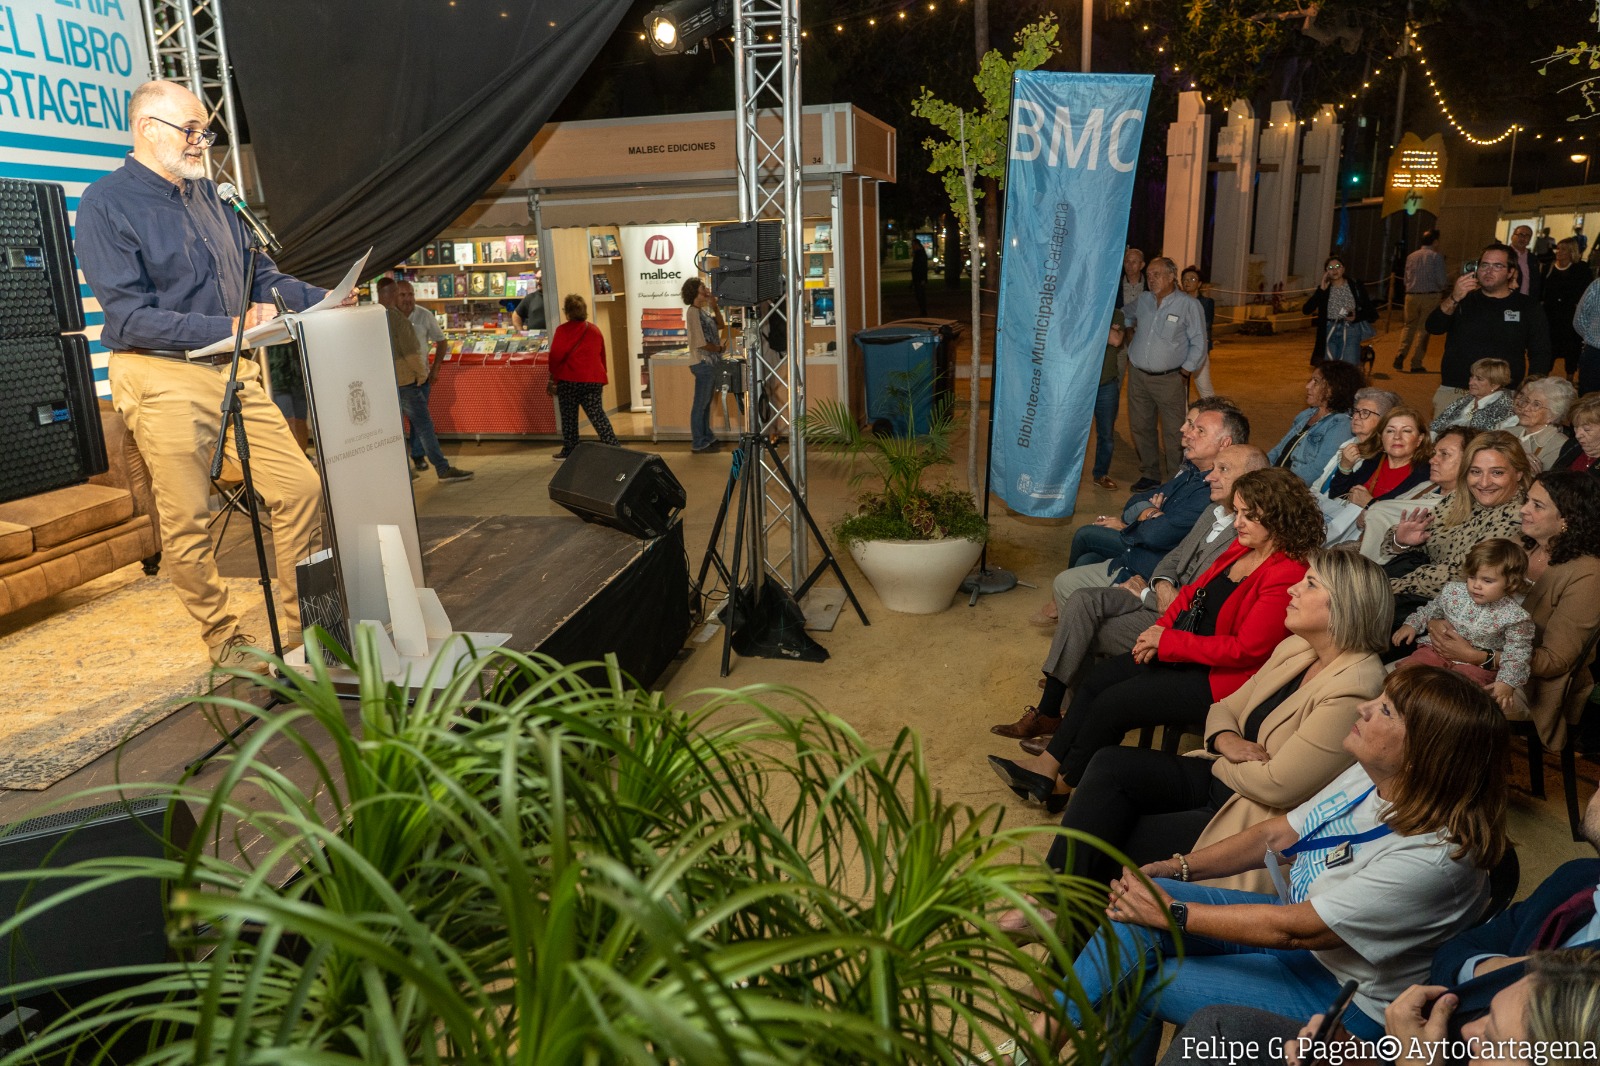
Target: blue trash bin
[917,351]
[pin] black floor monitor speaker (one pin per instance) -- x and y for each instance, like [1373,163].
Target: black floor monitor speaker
[626,490]
[38,277]
[50,431]
[122,925]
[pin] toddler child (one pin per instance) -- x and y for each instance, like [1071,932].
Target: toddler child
[1482,609]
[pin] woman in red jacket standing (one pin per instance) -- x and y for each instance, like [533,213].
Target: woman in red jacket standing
[577,374]
[1184,663]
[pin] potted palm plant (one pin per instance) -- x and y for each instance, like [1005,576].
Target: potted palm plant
[915,543]
[527,866]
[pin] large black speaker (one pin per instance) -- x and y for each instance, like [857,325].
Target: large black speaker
[50,432]
[749,266]
[38,277]
[626,490]
[117,926]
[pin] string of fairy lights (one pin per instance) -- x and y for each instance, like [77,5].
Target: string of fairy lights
[1444,108]
[899,12]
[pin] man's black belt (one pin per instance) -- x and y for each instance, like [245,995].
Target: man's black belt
[1158,373]
[183,356]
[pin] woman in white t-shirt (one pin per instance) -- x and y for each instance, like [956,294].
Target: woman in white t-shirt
[1388,861]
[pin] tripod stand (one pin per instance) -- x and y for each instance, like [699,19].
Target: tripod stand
[233,417]
[749,453]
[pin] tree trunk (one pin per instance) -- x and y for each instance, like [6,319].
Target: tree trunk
[991,238]
[975,379]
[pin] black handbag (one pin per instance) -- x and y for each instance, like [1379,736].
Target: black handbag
[1188,620]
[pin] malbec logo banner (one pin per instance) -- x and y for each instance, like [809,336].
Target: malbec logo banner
[1069,185]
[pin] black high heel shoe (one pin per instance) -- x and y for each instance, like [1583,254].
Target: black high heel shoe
[1025,783]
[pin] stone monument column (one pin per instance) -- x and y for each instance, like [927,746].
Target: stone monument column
[1279,161]
[1188,145]
[1236,182]
[1319,181]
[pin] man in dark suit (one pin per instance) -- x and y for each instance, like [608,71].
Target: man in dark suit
[1560,913]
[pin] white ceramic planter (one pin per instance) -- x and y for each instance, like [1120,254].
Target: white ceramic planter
[916,576]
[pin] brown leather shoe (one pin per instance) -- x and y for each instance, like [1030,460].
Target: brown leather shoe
[1035,745]
[1106,483]
[1031,724]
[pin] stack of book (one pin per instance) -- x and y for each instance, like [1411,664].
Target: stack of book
[664,330]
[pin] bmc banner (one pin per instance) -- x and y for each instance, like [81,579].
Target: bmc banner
[67,69]
[656,261]
[1069,183]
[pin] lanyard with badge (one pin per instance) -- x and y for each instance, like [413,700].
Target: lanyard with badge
[1341,848]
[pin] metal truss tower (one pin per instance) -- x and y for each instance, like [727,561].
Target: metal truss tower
[187,46]
[767,77]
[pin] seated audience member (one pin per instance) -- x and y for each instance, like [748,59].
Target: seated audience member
[1112,548]
[1399,465]
[1562,520]
[1190,658]
[1269,746]
[1444,471]
[1488,402]
[1483,609]
[1370,407]
[1551,1004]
[1541,405]
[1560,913]
[1485,503]
[1390,860]
[1110,619]
[1585,418]
[1319,430]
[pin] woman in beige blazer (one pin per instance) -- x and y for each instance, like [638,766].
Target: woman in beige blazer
[1269,746]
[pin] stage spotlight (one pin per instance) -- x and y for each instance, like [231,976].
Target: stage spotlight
[681,25]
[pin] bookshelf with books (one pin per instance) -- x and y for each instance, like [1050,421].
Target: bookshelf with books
[470,278]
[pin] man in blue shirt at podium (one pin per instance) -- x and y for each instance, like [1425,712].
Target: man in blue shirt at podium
[166,259]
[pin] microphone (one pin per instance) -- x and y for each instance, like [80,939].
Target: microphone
[264,236]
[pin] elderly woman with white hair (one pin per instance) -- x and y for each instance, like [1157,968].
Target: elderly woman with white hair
[1365,414]
[1541,405]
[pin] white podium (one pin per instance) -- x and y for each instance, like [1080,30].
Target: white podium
[354,411]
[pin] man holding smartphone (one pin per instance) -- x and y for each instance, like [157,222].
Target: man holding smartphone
[1486,317]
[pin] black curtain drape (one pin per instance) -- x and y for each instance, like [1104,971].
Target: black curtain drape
[377,124]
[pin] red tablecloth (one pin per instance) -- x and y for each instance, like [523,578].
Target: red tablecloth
[505,393]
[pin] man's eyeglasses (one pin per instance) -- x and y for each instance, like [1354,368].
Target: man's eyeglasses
[1334,266]
[197,138]
[1491,265]
[1363,412]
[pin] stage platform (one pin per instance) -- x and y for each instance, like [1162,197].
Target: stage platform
[570,589]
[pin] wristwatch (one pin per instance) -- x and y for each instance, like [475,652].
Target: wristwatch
[1180,915]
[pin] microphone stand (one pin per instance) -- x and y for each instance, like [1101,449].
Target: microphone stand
[233,417]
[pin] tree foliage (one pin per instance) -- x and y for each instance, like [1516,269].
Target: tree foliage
[1585,56]
[982,132]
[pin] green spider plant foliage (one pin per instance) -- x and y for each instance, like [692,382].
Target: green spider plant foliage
[538,870]
[900,507]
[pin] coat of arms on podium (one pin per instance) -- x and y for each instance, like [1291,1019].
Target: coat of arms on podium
[359,406]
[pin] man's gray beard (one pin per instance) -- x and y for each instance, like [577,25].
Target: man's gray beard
[179,165]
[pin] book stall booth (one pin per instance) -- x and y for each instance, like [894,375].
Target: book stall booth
[616,211]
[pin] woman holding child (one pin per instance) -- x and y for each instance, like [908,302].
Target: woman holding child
[1495,472]
[1561,524]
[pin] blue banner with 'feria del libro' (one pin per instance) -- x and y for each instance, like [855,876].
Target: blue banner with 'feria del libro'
[1069,184]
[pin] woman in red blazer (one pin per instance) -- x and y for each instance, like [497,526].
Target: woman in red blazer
[578,373]
[1175,672]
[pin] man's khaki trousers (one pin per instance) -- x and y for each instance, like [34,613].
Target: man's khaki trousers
[174,411]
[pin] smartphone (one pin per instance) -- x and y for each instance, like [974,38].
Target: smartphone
[1331,1020]
[1469,267]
